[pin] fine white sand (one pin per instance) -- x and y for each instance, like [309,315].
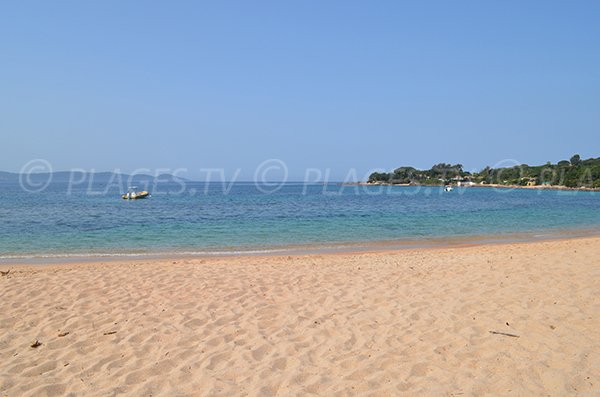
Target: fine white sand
[412,322]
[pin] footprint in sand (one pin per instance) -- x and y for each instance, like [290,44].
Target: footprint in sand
[419,369]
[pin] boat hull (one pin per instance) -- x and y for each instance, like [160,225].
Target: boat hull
[135,196]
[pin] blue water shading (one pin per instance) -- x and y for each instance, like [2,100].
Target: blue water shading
[204,218]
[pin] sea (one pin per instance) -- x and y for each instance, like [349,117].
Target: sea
[195,218]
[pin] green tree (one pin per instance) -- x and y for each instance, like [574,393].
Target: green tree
[379,177]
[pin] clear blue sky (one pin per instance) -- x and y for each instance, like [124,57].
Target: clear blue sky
[324,84]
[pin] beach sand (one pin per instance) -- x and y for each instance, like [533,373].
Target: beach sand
[413,322]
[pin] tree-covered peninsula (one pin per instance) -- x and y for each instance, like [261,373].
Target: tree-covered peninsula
[573,173]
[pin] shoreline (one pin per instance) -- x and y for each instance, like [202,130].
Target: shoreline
[490,185]
[352,248]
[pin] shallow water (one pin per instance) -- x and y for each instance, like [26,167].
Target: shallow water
[217,218]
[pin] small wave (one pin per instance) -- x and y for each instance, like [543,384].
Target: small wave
[413,242]
[142,254]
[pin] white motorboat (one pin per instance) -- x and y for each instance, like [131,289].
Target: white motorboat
[132,194]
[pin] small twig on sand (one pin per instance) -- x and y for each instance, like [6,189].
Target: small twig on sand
[505,334]
[110,333]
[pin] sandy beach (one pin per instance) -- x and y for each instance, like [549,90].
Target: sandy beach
[498,320]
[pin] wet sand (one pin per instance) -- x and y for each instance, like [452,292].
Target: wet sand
[503,319]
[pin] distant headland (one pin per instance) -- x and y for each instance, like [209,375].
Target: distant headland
[566,174]
[79,176]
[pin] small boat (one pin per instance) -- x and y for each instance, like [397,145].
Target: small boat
[448,188]
[132,194]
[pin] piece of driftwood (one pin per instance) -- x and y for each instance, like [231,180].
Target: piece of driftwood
[63,334]
[504,334]
[110,333]
[4,273]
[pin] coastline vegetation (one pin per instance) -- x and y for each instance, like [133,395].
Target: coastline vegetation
[573,173]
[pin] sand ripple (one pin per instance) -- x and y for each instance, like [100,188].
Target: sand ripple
[410,323]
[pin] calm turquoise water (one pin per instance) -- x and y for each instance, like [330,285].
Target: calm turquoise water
[205,219]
